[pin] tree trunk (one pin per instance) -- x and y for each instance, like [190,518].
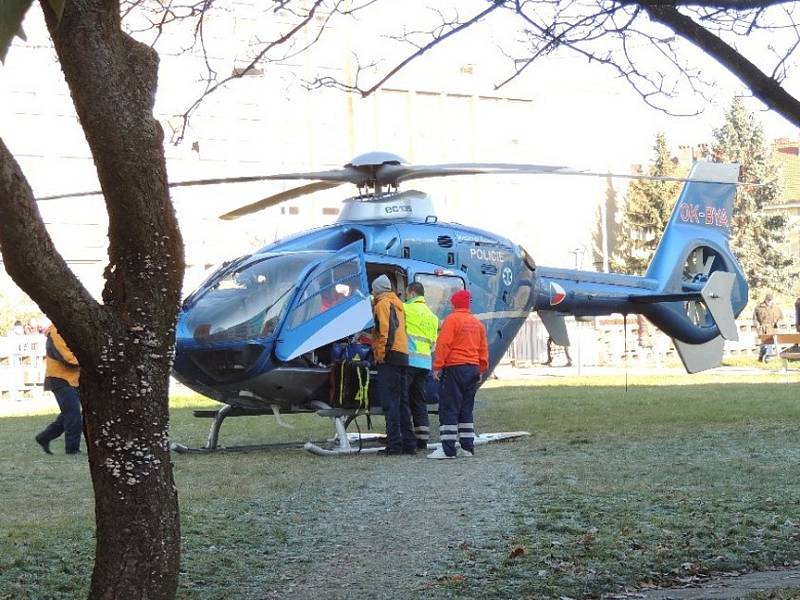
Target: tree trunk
[136,509]
[113,81]
[124,345]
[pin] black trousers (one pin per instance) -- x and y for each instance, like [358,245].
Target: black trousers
[417,380]
[393,395]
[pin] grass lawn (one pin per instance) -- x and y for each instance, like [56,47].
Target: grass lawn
[676,477]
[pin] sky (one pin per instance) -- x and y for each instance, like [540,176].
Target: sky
[590,103]
[579,115]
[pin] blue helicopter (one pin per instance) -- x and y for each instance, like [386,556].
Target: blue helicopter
[258,334]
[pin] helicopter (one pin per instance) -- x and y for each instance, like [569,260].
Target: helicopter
[257,334]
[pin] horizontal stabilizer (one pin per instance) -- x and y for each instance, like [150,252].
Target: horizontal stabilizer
[556,327]
[717,297]
[700,357]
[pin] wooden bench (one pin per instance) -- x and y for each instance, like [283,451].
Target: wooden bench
[784,343]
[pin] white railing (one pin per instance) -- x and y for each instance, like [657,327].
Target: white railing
[595,342]
[603,341]
[21,367]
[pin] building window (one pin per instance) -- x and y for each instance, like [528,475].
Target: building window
[330,210]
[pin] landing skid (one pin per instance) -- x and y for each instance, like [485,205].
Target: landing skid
[183,449]
[347,443]
[342,443]
[218,416]
[353,443]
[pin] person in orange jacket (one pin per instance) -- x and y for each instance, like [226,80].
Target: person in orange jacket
[462,356]
[390,349]
[61,376]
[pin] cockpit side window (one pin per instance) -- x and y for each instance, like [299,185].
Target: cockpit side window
[438,291]
[326,290]
[247,301]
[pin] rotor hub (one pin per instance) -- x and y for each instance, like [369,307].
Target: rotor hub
[411,205]
[376,159]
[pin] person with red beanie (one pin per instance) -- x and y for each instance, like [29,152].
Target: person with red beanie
[462,356]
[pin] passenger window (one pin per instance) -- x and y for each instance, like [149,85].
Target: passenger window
[438,290]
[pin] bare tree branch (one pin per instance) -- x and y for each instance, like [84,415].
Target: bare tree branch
[737,5]
[322,82]
[213,85]
[765,88]
[608,32]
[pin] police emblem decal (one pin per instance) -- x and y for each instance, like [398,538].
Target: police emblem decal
[508,276]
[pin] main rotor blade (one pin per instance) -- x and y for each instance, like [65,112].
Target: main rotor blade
[269,201]
[345,175]
[392,174]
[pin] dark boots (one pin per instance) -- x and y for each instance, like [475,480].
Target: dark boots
[45,444]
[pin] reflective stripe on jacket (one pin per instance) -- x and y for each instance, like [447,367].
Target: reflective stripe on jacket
[60,362]
[422,325]
[389,341]
[462,341]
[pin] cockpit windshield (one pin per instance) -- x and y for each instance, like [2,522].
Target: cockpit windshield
[246,302]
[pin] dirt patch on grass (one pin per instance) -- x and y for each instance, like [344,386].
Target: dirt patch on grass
[419,525]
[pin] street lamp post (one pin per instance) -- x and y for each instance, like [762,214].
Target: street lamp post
[578,253]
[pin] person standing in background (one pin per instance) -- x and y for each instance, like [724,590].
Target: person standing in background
[797,314]
[766,320]
[549,361]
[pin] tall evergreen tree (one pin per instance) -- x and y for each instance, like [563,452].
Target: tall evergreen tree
[757,236]
[648,205]
[606,233]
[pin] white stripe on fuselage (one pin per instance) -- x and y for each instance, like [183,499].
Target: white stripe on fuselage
[502,314]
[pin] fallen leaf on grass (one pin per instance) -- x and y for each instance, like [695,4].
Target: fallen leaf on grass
[450,578]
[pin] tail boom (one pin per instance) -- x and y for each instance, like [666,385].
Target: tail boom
[694,287]
[582,293]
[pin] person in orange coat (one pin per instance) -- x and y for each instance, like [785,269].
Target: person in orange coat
[390,349]
[61,376]
[462,356]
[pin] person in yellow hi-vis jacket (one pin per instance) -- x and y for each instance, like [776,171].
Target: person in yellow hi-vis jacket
[422,326]
[61,376]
